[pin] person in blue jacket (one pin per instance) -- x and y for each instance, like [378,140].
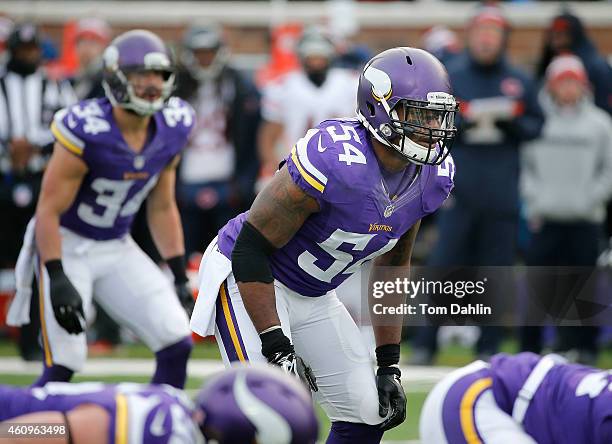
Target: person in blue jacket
[567,34]
[498,112]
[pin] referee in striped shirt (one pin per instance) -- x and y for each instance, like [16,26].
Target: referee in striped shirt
[28,100]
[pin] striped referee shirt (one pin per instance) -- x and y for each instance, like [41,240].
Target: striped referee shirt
[27,106]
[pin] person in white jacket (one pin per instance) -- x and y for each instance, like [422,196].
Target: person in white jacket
[566,179]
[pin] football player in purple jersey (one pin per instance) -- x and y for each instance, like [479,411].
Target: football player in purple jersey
[258,405]
[110,155]
[521,399]
[352,190]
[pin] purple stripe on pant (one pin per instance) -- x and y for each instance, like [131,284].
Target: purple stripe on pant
[225,328]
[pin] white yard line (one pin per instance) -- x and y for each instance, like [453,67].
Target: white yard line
[199,368]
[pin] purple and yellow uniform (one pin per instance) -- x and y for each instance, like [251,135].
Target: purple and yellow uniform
[118,179]
[551,401]
[145,414]
[358,219]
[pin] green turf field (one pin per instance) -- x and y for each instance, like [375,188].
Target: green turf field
[451,356]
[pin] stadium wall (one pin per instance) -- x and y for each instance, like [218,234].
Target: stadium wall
[381,24]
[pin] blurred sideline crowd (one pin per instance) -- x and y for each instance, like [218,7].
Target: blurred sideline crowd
[534,151]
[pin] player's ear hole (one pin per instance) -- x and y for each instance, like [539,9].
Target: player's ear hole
[371,109]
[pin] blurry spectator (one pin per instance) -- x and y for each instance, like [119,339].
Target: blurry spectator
[567,35]
[441,42]
[498,111]
[303,98]
[566,178]
[219,166]
[282,58]
[343,26]
[28,100]
[6,25]
[91,37]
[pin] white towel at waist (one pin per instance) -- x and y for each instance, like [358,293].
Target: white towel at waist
[214,269]
[19,311]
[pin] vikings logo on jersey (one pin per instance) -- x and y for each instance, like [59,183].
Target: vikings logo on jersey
[119,179]
[359,220]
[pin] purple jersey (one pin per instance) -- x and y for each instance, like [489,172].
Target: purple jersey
[138,413]
[118,179]
[572,405]
[335,163]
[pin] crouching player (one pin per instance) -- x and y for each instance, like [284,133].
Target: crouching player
[522,399]
[259,405]
[267,283]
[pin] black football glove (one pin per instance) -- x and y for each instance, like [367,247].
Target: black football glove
[391,396]
[293,364]
[185,297]
[65,300]
[179,270]
[278,350]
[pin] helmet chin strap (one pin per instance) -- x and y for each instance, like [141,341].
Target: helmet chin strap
[145,107]
[395,147]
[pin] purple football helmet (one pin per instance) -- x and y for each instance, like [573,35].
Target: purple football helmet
[256,404]
[404,99]
[136,51]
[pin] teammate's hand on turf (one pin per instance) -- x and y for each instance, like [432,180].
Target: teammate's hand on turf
[391,397]
[65,299]
[185,297]
[293,364]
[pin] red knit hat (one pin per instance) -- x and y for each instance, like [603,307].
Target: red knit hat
[93,28]
[566,66]
[490,15]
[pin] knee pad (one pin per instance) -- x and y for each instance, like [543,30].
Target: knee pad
[351,432]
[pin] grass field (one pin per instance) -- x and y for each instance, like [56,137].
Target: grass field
[452,356]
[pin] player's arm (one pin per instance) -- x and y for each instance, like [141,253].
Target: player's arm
[165,224]
[88,424]
[398,256]
[269,134]
[278,212]
[60,185]
[392,400]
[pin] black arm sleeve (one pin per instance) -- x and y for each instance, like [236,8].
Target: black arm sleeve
[250,256]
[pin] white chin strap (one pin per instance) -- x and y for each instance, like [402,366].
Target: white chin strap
[411,150]
[137,104]
[145,107]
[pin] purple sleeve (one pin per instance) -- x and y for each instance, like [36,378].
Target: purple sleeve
[14,402]
[606,430]
[179,118]
[308,167]
[439,185]
[78,126]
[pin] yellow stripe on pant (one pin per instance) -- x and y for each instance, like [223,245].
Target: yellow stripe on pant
[466,413]
[230,323]
[41,307]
